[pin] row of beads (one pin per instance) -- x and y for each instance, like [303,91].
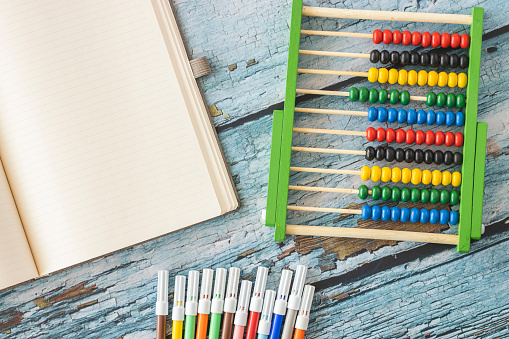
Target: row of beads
[411,116]
[406,175]
[425,39]
[449,100]
[414,215]
[410,136]
[415,195]
[422,78]
[414,58]
[409,155]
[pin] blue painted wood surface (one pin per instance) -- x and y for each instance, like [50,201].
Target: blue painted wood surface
[365,289]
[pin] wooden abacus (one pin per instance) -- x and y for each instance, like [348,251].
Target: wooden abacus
[473,140]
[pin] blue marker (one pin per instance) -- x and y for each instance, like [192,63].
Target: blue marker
[266,316]
[281,303]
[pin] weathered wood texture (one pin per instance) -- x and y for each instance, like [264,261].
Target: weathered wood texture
[364,288]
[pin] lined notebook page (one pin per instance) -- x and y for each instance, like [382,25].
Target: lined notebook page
[94,132]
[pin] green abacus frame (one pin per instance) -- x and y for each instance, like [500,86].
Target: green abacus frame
[474,148]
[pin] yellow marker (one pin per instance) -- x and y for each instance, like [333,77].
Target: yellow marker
[178,307]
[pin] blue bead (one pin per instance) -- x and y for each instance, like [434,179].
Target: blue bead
[444,217]
[460,119]
[434,216]
[372,114]
[414,215]
[454,217]
[376,212]
[393,115]
[450,118]
[411,117]
[440,118]
[405,214]
[430,117]
[366,212]
[421,117]
[401,116]
[395,213]
[386,213]
[424,216]
[382,114]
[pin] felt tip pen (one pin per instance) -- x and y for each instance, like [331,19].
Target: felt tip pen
[230,302]
[161,303]
[204,303]
[191,304]
[255,307]
[216,309]
[177,314]
[266,316]
[242,307]
[294,301]
[301,324]
[281,303]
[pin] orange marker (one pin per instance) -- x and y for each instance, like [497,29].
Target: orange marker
[301,324]
[204,304]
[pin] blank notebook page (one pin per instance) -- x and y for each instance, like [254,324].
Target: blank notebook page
[94,131]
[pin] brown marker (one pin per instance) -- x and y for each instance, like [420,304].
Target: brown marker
[161,303]
[230,302]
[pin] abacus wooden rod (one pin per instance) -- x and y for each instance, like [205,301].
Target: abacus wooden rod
[323,170]
[363,233]
[324,189]
[343,94]
[327,150]
[328,131]
[330,111]
[337,54]
[323,209]
[332,33]
[387,15]
[332,72]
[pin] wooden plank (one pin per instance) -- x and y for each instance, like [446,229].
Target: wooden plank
[275,156]
[480,162]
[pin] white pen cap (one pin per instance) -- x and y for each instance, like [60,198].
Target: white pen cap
[162,293]
[266,316]
[177,313]
[206,291]
[219,286]
[242,307]
[192,293]
[259,289]
[282,292]
[305,306]
[298,285]
[230,302]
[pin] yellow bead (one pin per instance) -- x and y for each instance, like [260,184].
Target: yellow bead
[422,78]
[416,176]
[406,175]
[462,80]
[402,77]
[365,173]
[386,174]
[456,179]
[446,178]
[396,174]
[442,79]
[412,77]
[393,76]
[432,78]
[426,177]
[376,173]
[383,75]
[453,80]
[373,74]
[436,177]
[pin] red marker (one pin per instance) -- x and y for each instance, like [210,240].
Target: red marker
[255,307]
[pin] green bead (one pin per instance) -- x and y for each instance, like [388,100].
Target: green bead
[405,194]
[353,94]
[451,100]
[434,196]
[396,194]
[386,193]
[455,198]
[373,96]
[394,97]
[441,99]
[460,101]
[405,97]
[415,195]
[363,192]
[425,196]
[363,94]
[376,193]
[383,96]
[431,99]
[445,197]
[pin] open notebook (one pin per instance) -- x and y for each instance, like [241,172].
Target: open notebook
[105,139]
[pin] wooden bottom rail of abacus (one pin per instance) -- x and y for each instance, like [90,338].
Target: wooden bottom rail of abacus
[363,233]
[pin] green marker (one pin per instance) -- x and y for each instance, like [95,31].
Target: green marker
[216,310]
[191,305]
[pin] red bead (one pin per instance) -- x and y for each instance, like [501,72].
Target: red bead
[400,136]
[387,37]
[377,36]
[416,38]
[439,138]
[397,37]
[370,134]
[420,137]
[430,138]
[407,38]
[390,135]
[465,41]
[425,39]
[435,39]
[446,40]
[410,136]
[449,139]
[458,139]
[380,134]
[455,40]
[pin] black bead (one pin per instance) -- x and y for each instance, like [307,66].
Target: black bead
[404,58]
[428,156]
[380,153]
[394,58]
[454,60]
[384,57]
[463,61]
[409,155]
[458,158]
[374,56]
[448,157]
[424,59]
[433,59]
[438,157]
[419,156]
[414,58]
[400,155]
[390,154]
[444,60]
[370,153]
